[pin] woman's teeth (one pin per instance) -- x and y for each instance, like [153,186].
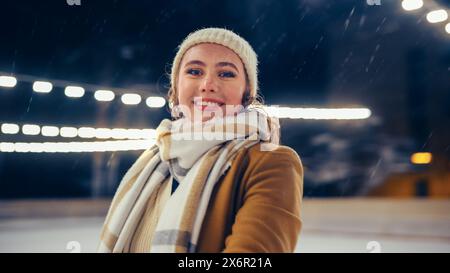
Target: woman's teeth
[207,103]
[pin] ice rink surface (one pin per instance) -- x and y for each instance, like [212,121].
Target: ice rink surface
[330,225]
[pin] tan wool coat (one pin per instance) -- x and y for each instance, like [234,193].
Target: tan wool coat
[256,205]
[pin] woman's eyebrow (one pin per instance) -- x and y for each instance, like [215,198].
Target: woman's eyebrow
[222,64]
[197,62]
[219,64]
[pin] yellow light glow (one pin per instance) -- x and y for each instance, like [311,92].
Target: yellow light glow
[421,158]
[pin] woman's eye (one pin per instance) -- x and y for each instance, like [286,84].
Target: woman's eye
[227,74]
[194,72]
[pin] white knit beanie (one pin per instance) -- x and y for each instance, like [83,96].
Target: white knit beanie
[226,38]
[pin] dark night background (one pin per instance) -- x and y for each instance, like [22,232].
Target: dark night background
[312,53]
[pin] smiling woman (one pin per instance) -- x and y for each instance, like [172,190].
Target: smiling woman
[206,56]
[196,192]
[212,77]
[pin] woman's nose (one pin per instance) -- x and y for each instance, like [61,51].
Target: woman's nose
[209,84]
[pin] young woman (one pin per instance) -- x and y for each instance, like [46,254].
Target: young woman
[216,180]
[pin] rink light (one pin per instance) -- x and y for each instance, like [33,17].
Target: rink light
[155,102]
[42,87]
[134,133]
[319,113]
[421,158]
[131,99]
[437,16]
[7,147]
[412,4]
[82,132]
[10,128]
[31,129]
[68,132]
[119,133]
[50,131]
[104,95]
[86,132]
[103,133]
[148,133]
[75,147]
[8,81]
[74,91]
[447,28]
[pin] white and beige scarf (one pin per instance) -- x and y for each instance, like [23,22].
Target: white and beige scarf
[197,155]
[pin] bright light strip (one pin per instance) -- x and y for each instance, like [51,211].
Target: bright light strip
[8,81]
[42,87]
[155,102]
[50,131]
[10,128]
[131,99]
[412,4]
[86,132]
[103,133]
[318,113]
[148,133]
[31,129]
[7,147]
[437,16]
[104,95]
[68,132]
[134,133]
[447,28]
[119,133]
[76,147]
[83,132]
[74,91]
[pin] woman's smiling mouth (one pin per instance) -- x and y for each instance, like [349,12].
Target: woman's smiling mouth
[208,104]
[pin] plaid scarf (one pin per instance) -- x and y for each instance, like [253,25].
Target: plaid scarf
[197,155]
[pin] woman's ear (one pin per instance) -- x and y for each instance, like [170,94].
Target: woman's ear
[172,98]
[173,104]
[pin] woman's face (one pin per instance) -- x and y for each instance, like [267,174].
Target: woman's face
[211,82]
